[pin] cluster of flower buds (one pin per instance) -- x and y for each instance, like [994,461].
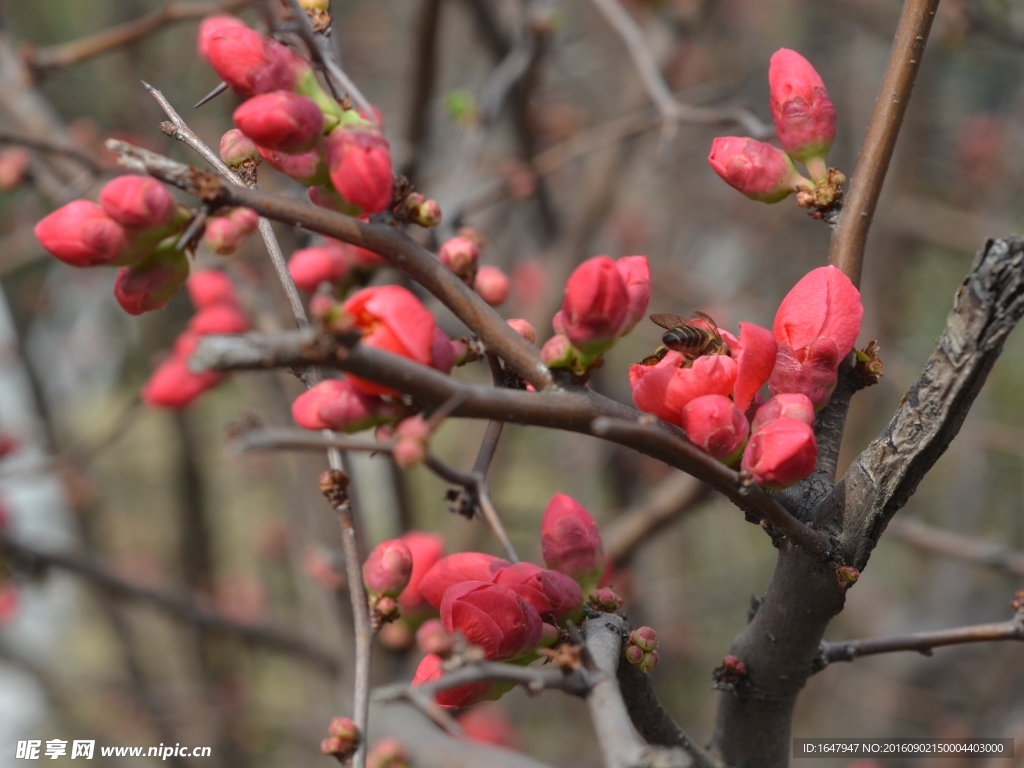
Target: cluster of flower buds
[805,124]
[461,254]
[299,129]
[640,649]
[386,573]
[509,610]
[334,263]
[173,385]
[716,398]
[342,740]
[604,300]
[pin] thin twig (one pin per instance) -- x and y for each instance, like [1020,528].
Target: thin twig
[534,679]
[180,606]
[66,54]
[49,146]
[969,549]
[850,237]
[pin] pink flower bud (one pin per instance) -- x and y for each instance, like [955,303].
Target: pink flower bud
[307,168]
[411,441]
[558,352]
[645,638]
[426,213]
[151,284]
[488,724]
[427,549]
[359,162]
[754,352]
[550,592]
[344,728]
[464,566]
[665,389]
[823,304]
[442,354]
[570,541]
[805,120]
[636,273]
[648,663]
[716,426]
[634,654]
[492,617]
[461,696]
[596,305]
[15,163]
[173,385]
[780,453]
[605,599]
[431,637]
[221,319]
[789,405]
[281,121]
[237,148]
[460,255]
[82,234]
[246,60]
[492,285]
[388,568]
[246,219]
[326,263]
[222,235]
[387,753]
[758,170]
[524,328]
[208,287]
[337,404]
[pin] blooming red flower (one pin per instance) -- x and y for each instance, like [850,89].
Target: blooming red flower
[780,453]
[138,202]
[359,162]
[454,569]
[664,389]
[636,273]
[325,263]
[492,617]
[805,120]
[550,592]
[82,234]
[151,284]
[595,306]
[246,60]
[427,549]
[393,319]
[754,352]
[461,696]
[388,568]
[337,404]
[281,121]
[716,426]
[570,541]
[758,170]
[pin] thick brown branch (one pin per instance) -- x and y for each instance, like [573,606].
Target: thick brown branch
[850,237]
[181,607]
[970,549]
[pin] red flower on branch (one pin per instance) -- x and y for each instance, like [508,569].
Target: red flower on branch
[492,617]
[570,541]
[805,120]
[457,568]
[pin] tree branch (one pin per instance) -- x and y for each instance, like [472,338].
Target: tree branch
[533,679]
[180,606]
[970,549]
[847,248]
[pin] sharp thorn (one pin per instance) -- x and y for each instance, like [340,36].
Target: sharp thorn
[211,95]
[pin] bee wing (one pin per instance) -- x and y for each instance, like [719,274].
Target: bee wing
[706,322]
[668,320]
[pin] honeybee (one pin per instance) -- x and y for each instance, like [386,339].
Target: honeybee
[694,337]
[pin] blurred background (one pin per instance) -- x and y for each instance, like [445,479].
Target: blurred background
[569,162]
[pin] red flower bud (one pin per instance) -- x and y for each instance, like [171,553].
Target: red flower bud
[387,753]
[523,328]
[427,549]
[82,234]
[281,121]
[605,599]
[492,617]
[246,219]
[648,663]
[221,319]
[789,405]
[634,654]
[488,724]
[426,213]
[442,353]
[337,404]
[664,389]
[550,592]
[645,638]
[151,284]
[460,255]
[464,566]
[388,568]
[758,170]
[222,235]
[246,60]
[15,163]
[139,202]
[208,287]
[236,148]
[359,162]
[461,696]
[716,426]
[492,285]
[754,352]
[570,541]
[558,352]
[636,273]
[432,637]
[805,120]
[780,453]
[391,318]
[595,306]
[173,385]
[344,728]
[823,304]
[307,168]
[326,263]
